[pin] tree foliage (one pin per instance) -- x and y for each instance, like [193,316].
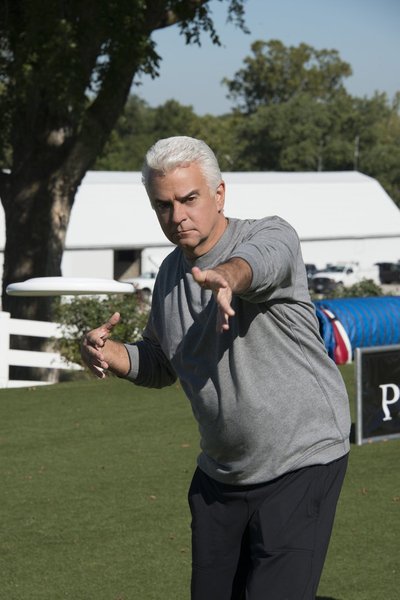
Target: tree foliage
[141,125]
[297,115]
[276,74]
[66,69]
[377,133]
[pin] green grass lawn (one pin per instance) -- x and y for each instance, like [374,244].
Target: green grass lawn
[93,485]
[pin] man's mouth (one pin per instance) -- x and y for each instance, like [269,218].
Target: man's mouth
[183,233]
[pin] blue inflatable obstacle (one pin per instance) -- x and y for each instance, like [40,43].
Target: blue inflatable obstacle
[349,323]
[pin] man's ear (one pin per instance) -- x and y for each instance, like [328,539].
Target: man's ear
[220,196]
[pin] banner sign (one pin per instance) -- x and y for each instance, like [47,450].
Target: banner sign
[378,393]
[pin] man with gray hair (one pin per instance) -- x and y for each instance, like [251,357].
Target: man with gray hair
[232,319]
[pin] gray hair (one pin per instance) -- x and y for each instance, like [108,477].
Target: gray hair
[169,153]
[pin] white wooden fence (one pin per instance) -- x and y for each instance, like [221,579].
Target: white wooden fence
[28,358]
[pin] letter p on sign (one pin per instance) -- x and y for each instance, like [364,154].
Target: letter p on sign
[385,401]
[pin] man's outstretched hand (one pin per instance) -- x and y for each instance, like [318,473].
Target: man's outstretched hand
[212,279]
[93,350]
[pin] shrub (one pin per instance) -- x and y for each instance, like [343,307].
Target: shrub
[363,289]
[81,314]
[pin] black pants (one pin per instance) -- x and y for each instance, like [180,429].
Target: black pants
[263,542]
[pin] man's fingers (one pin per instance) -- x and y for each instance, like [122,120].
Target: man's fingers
[103,333]
[93,343]
[222,293]
[197,273]
[92,354]
[209,279]
[223,320]
[97,371]
[224,298]
[199,276]
[112,321]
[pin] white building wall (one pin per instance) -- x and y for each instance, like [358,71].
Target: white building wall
[364,251]
[88,263]
[153,257]
[338,216]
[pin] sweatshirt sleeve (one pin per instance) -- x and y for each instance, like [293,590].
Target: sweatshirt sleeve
[272,249]
[149,365]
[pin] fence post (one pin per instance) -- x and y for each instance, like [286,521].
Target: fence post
[4,348]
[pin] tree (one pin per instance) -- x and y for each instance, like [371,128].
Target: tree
[377,132]
[221,134]
[131,137]
[301,134]
[66,69]
[276,74]
[293,113]
[140,126]
[287,95]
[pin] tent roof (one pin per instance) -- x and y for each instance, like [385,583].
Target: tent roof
[112,210]
[318,205]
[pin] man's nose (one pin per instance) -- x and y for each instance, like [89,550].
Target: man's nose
[178,213]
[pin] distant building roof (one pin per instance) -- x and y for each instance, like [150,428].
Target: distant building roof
[112,209]
[318,205]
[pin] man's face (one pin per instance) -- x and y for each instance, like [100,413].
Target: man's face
[190,214]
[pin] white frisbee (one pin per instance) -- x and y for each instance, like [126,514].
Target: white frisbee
[60,286]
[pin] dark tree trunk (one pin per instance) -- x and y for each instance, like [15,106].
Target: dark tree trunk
[37,216]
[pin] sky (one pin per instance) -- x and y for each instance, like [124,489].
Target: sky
[366,33]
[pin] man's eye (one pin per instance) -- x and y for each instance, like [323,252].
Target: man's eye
[162,206]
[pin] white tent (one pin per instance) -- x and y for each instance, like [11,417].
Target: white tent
[340,216]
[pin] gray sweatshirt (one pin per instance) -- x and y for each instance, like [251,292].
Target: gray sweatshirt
[266,395]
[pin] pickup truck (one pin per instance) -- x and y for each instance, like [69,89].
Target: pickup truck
[143,284]
[342,274]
